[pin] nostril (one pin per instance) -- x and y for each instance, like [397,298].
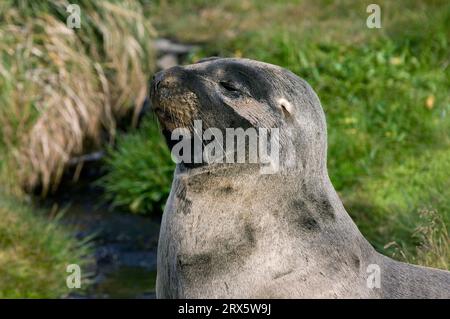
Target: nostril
[157,78]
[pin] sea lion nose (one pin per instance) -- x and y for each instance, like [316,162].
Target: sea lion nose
[169,77]
[157,77]
[167,80]
[156,80]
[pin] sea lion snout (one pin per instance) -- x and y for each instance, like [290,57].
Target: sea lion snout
[172,101]
[167,77]
[167,80]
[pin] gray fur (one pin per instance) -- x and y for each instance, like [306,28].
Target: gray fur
[230,232]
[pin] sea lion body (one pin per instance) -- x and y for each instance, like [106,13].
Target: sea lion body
[229,231]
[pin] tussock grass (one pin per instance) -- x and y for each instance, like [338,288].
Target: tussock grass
[61,88]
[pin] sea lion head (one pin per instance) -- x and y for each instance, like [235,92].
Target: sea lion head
[241,93]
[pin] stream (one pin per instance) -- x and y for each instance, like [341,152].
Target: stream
[124,245]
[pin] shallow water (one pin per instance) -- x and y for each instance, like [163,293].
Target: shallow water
[124,245]
[126,282]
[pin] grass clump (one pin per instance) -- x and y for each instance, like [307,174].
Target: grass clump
[434,239]
[139,170]
[61,88]
[34,253]
[432,243]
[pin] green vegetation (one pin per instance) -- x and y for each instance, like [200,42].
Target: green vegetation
[140,170]
[34,253]
[433,249]
[385,93]
[408,203]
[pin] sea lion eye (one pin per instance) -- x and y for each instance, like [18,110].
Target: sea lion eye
[228,86]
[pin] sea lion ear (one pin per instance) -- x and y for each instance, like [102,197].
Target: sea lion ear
[285,106]
[211,58]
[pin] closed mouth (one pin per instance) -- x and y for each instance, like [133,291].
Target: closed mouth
[163,116]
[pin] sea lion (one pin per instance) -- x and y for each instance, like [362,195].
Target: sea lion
[229,231]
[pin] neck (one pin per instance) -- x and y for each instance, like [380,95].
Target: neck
[233,219]
[306,201]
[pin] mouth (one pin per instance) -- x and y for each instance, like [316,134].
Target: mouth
[162,115]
